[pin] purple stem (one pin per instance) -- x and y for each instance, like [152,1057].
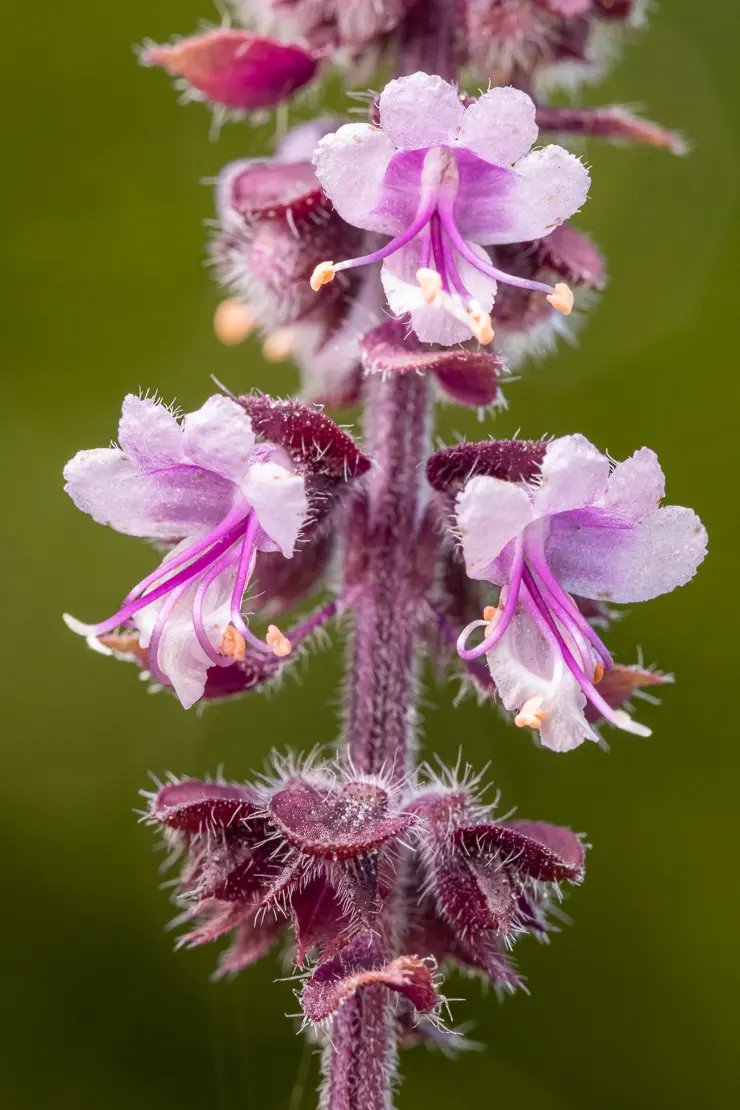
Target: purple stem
[359,1063]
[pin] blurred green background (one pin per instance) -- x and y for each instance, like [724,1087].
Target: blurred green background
[636,1003]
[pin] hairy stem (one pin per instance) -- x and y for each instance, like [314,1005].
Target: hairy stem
[382,667]
[359,1063]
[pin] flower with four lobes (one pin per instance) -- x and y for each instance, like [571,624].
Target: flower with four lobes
[207,485]
[446,180]
[580,528]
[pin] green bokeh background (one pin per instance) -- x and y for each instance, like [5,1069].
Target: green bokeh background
[636,1003]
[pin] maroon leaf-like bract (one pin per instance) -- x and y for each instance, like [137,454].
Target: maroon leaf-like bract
[236,68]
[192,807]
[359,965]
[543,852]
[336,825]
[619,683]
[270,190]
[319,448]
[513,460]
[468,377]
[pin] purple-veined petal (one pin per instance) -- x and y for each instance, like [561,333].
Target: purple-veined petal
[351,165]
[574,474]
[179,501]
[626,565]
[522,666]
[218,436]
[420,111]
[500,126]
[490,513]
[543,190]
[279,499]
[236,68]
[149,433]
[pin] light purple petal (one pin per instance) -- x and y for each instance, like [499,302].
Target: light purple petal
[180,656]
[175,502]
[627,564]
[635,487]
[351,164]
[522,666]
[279,500]
[542,191]
[500,127]
[490,513]
[574,474]
[420,111]
[219,437]
[149,433]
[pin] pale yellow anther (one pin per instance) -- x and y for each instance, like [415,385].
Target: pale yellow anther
[233,321]
[233,644]
[489,612]
[280,644]
[531,715]
[322,275]
[562,298]
[430,282]
[481,326]
[279,345]
[598,673]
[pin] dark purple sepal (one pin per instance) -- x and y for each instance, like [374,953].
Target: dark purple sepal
[619,683]
[358,965]
[572,256]
[473,892]
[193,807]
[319,448]
[336,825]
[271,190]
[467,377]
[279,583]
[533,849]
[513,460]
[257,669]
[251,942]
[236,68]
[319,921]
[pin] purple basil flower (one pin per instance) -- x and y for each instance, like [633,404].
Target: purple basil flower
[583,528]
[204,482]
[446,180]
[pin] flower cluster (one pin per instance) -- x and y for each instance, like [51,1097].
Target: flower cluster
[318,846]
[414,254]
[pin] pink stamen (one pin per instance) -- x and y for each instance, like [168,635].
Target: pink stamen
[159,627]
[503,622]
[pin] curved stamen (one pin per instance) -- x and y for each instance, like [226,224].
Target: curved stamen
[561,599]
[159,626]
[182,577]
[247,558]
[445,210]
[618,718]
[326,271]
[507,613]
[540,617]
[221,564]
[235,516]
